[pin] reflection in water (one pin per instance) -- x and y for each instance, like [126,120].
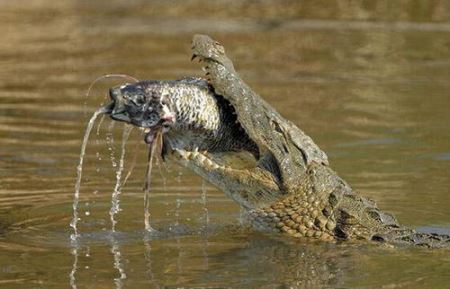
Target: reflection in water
[302,265]
[72,278]
[148,260]
[118,263]
[275,263]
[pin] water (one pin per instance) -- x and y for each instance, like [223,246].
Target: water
[367,80]
[204,198]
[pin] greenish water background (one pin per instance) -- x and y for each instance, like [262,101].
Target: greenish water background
[368,80]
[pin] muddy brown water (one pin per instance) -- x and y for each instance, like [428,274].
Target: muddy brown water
[369,81]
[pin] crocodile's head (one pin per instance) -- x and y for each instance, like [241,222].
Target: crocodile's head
[143,105]
[284,151]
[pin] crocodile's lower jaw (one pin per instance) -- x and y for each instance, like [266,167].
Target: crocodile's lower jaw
[200,160]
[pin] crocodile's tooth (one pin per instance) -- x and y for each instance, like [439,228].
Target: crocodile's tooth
[147,130]
[208,162]
[196,149]
[215,166]
[201,157]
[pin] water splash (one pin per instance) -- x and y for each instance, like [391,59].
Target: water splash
[115,202]
[76,196]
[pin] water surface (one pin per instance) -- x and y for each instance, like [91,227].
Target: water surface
[369,81]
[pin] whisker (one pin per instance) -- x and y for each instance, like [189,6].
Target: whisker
[153,147]
[123,76]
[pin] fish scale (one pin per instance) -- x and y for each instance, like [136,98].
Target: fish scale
[204,120]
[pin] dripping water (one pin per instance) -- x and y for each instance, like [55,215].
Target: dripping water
[115,202]
[97,132]
[76,196]
[110,143]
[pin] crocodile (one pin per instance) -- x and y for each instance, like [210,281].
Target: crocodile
[291,187]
